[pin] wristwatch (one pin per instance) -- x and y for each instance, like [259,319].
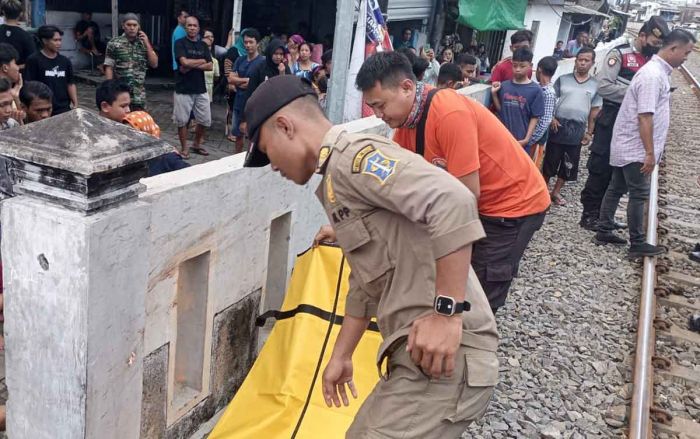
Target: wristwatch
[448,306]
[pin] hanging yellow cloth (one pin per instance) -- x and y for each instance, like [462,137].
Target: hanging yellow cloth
[282,395]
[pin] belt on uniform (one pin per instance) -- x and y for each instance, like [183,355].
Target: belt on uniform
[470,339]
[611,104]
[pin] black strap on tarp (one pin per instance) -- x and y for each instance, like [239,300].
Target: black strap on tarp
[331,317]
[420,133]
[305,309]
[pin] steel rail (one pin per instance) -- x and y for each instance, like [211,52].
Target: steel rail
[640,422]
[694,84]
[643,393]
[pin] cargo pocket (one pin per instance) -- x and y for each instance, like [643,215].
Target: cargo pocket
[480,378]
[368,257]
[499,272]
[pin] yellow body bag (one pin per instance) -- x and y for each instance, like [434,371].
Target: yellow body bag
[282,395]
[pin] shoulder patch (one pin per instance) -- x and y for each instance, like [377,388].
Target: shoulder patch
[330,193]
[379,166]
[612,61]
[323,154]
[359,156]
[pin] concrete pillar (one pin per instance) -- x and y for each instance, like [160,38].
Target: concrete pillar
[342,45]
[75,261]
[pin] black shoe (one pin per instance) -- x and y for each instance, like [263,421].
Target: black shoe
[602,238]
[619,226]
[694,322]
[696,248]
[694,256]
[589,223]
[644,249]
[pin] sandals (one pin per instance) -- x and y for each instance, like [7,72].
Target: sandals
[199,150]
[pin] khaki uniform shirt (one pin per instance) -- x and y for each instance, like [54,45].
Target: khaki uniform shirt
[394,214]
[129,60]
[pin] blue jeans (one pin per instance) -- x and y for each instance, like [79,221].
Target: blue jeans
[630,179]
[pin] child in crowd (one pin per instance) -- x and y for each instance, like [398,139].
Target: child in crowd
[37,101]
[113,102]
[545,71]
[6,110]
[559,51]
[519,102]
[322,87]
[450,76]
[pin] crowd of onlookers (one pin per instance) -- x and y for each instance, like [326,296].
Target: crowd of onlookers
[550,120]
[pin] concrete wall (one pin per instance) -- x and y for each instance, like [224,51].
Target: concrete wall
[567,65]
[138,321]
[66,21]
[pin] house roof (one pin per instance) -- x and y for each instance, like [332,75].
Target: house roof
[577,9]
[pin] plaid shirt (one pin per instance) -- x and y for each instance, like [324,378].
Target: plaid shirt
[550,102]
[649,92]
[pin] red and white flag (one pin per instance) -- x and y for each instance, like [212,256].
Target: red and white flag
[371,36]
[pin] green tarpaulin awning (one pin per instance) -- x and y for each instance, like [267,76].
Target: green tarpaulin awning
[492,14]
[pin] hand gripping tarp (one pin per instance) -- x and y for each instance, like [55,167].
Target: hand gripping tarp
[282,395]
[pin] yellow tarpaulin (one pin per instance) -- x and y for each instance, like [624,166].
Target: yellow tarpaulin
[282,396]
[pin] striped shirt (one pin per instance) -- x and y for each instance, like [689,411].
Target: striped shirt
[649,92]
[550,102]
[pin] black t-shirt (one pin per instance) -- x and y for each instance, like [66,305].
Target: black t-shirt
[19,39]
[192,82]
[57,73]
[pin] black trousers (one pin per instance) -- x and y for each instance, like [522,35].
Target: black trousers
[496,258]
[598,165]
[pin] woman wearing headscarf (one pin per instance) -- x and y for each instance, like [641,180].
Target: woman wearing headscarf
[275,64]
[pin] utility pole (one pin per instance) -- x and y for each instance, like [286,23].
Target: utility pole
[342,45]
[115,18]
[237,12]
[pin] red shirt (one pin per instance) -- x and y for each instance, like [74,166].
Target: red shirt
[503,71]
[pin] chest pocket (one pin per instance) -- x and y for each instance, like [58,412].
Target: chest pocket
[368,257]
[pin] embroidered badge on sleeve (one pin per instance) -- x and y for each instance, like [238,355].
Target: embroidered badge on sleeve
[379,166]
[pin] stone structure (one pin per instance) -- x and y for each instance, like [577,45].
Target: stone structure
[133,316]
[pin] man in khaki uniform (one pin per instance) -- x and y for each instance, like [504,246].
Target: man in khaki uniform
[406,228]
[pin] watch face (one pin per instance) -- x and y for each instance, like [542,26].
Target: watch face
[445,305]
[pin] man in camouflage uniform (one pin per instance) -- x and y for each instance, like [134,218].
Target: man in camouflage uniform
[128,56]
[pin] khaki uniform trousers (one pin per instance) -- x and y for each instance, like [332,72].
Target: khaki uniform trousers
[407,404]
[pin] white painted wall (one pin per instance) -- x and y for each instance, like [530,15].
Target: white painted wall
[117,274]
[550,20]
[567,65]
[66,21]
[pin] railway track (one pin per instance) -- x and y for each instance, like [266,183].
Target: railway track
[666,396]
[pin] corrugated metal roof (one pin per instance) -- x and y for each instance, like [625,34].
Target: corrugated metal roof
[576,9]
[409,9]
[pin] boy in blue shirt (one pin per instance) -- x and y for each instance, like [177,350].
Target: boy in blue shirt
[519,102]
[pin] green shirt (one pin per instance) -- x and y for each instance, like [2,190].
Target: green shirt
[130,62]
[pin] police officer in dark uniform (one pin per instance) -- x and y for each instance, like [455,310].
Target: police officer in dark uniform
[615,74]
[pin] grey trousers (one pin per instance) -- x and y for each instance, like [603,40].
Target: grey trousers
[630,179]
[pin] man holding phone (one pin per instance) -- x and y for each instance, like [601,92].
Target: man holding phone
[128,56]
